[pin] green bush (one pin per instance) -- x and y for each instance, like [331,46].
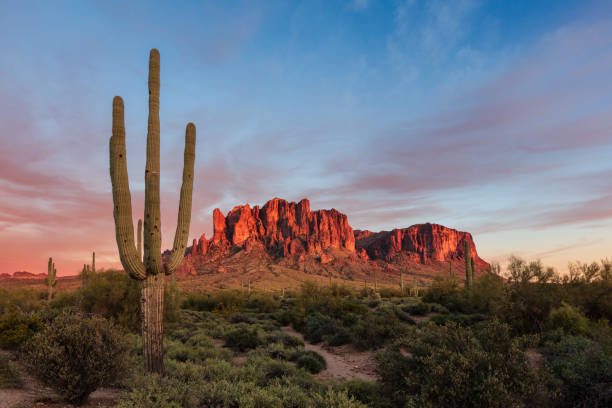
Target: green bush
[25,300]
[114,295]
[584,370]
[243,338]
[262,302]
[442,290]
[369,393]
[77,354]
[377,328]
[452,366]
[16,328]
[335,399]
[569,320]
[318,325]
[310,360]
[418,309]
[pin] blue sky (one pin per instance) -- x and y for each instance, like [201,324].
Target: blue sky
[493,117]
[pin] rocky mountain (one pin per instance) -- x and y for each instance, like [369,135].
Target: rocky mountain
[421,243]
[283,228]
[282,237]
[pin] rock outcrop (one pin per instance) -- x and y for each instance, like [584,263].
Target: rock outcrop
[421,243]
[284,228]
[290,230]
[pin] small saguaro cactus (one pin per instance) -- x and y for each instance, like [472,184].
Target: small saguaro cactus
[151,269]
[50,279]
[401,281]
[468,266]
[93,262]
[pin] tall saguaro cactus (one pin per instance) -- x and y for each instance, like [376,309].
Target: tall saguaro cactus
[50,279]
[139,246]
[151,268]
[468,266]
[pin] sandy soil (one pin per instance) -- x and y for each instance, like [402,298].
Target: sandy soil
[343,363]
[35,394]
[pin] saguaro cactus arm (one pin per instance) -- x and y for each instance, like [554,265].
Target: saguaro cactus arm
[152,218]
[184,215]
[124,226]
[139,248]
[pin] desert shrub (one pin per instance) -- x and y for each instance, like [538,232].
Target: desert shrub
[279,351]
[442,290]
[262,302]
[9,374]
[76,354]
[403,316]
[569,320]
[114,295]
[458,318]
[418,309]
[310,360]
[185,352]
[487,294]
[243,338]
[438,308]
[339,338]
[25,300]
[584,370]
[172,301]
[17,327]
[369,393]
[316,326]
[286,339]
[452,366]
[377,328]
[335,399]
[200,339]
[154,391]
[387,292]
[63,300]
[198,301]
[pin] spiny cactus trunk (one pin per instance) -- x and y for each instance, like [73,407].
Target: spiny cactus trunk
[152,318]
[150,269]
[468,266]
[139,248]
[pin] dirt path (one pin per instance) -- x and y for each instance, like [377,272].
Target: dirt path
[35,394]
[343,363]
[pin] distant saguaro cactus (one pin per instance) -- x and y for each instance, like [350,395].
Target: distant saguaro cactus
[151,269]
[468,266]
[93,262]
[50,279]
[401,281]
[472,269]
[85,273]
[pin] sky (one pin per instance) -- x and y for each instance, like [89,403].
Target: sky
[493,117]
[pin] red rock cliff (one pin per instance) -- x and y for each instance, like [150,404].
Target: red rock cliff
[283,227]
[422,243]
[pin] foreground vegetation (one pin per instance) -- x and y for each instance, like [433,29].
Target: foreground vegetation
[533,339]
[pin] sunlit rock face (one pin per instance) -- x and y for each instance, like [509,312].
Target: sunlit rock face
[289,230]
[421,243]
[283,227]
